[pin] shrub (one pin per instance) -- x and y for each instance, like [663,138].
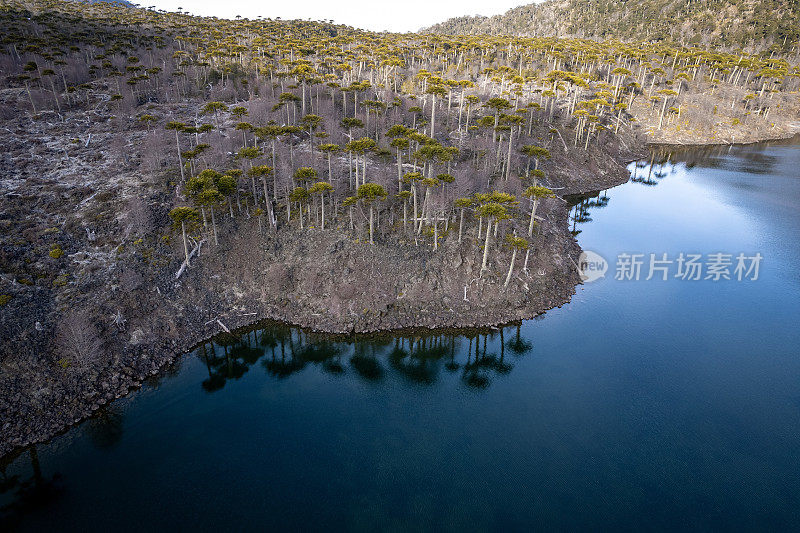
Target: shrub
[4,299]
[77,340]
[56,251]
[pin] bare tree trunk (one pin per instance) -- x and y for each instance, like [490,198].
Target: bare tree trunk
[274,174]
[661,117]
[508,160]
[370,224]
[356,173]
[300,213]
[533,214]
[460,109]
[510,268]
[180,160]
[267,201]
[433,117]
[185,245]
[214,225]
[399,170]
[322,207]
[414,190]
[486,246]
[253,183]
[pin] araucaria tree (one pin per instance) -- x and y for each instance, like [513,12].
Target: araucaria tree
[492,212]
[369,193]
[516,244]
[185,218]
[264,110]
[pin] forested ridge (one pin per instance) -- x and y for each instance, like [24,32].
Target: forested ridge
[293,115]
[748,24]
[308,124]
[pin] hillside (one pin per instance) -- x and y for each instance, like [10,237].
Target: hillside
[124,3]
[165,177]
[750,24]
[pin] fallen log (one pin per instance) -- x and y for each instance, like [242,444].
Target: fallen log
[185,263]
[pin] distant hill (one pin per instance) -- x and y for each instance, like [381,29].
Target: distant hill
[729,23]
[118,2]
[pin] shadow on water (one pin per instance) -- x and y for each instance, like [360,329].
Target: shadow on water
[28,492]
[22,494]
[415,356]
[105,428]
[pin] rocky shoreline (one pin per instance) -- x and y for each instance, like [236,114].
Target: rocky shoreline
[754,137]
[418,289]
[207,312]
[107,185]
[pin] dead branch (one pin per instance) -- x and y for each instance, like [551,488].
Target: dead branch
[195,251]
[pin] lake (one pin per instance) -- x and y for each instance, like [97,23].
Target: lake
[641,404]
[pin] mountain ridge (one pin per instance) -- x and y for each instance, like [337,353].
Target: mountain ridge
[753,24]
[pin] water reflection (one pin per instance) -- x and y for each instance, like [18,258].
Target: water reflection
[611,411]
[748,159]
[417,357]
[580,206]
[106,427]
[28,489]
[647,172]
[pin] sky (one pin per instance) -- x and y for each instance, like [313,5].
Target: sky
[408,15]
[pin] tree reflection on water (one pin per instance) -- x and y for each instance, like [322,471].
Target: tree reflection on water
[417,357]
[646,172]
[25,494]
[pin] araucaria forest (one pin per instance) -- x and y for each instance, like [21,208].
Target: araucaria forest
[167,176]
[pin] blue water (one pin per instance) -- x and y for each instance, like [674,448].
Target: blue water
[640,405]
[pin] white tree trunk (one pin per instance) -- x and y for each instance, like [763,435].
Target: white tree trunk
[510,268]
[486,246]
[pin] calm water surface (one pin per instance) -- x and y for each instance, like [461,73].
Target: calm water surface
[639,405]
